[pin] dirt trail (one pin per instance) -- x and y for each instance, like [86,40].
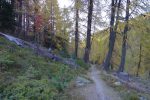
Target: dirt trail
[95,91]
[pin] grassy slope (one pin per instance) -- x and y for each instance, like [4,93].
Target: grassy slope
[124,91]
[23,75]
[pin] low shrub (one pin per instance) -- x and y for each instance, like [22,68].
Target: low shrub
[30,90]
[81,63]
[31,77]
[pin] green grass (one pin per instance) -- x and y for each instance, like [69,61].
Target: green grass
[24,75]
[81,63]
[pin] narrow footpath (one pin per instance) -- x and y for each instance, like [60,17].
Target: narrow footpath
[98,90]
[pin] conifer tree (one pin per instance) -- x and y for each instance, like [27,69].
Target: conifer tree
[88,39]
[124,41]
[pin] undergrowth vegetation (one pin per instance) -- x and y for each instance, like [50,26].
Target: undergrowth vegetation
[26,76]
[124,91]
[81,63]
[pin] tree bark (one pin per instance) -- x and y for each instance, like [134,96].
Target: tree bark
[112,37]
[88,39]
[76,29]
[140,59]
[27,19]
[20,17]
[123,56]
[52,20]
[24,26]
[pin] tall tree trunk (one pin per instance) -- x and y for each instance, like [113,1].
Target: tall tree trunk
[28,25]
[112,36]
[20,17]
[123,56]
[27,19]
[76,29]
[13,7]
[24,25]
[140,59]
[88,39]
[35,29]
[52,20]
[149,75]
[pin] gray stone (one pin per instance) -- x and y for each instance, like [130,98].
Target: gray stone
[2,43]
[124,76]
[49,50]
[80,81]
[143,98]
[117,83]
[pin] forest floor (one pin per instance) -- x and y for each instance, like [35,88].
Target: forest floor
[100,88]
[97,90]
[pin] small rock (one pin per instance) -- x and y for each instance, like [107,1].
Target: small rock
[80,81]
[49,49]
[124,76]
[117,83]
[142,98]
[2,43]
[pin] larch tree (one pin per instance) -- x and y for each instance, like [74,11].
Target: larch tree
[54,17]
[113,28]
[37,24]
[23,17]
[53,20]
[124,41]
[20,8]
[77,5]
[7,18]
[67,24]
[49,13]
[89,24]
[140,60]
[58,19]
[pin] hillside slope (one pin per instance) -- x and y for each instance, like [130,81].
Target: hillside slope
[24,75]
